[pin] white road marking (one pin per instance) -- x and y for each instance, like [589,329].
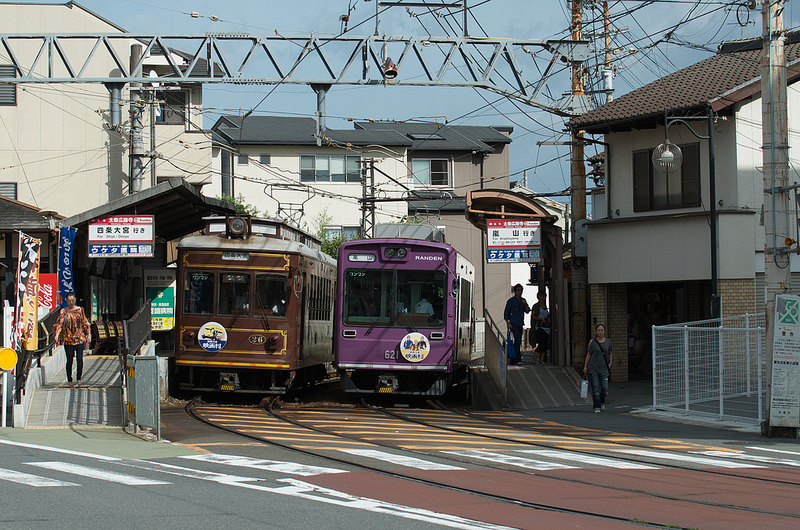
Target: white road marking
[527,463]
[32,480]
[400,460]
[188,472]
[689,459]
[291,468]
[586,459]
[754,458]
[90,472]
[57,450]
[776,451]
[297,488]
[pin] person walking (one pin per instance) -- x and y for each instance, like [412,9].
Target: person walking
[514,315]
[540,322]
[72,331]
[596,366]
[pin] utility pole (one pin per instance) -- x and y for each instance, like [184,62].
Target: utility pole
[608,71]
[137,143]
[578,314]
[775,140]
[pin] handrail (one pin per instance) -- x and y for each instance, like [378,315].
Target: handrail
[24,359]
[137,329]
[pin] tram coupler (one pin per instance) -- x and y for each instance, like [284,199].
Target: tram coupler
[228,382]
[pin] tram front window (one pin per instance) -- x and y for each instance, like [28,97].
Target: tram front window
[198,293]
[422,296]
[271,294]
[234,294]
[368,296]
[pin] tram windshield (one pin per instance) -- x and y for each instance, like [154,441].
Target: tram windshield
[198,292]
[394,298]
[234,294]
[271,294]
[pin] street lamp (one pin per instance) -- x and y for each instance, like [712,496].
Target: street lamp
[668,158]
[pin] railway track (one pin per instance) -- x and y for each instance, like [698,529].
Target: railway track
[352,436]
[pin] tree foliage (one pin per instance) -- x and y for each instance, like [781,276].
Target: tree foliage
[242,207]
[330,242]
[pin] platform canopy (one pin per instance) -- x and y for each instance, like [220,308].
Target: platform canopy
[502,204]
[177,207]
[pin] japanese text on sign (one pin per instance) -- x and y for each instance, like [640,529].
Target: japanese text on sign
[513,241]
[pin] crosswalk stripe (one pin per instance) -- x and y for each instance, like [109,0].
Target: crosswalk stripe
[90,472]
[795,453]
[400,460]
[31,480]
[291,468]
[754,458]
[510,460]
[690,459]
[58,450]
[586,459]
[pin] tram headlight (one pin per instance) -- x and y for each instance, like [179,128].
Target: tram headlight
[237,226]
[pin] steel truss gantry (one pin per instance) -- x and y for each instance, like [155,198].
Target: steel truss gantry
[502,66]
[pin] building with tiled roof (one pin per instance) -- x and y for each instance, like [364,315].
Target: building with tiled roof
[649,243]
[288,168]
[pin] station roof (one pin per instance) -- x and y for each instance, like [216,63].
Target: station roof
[177,208]
[486,204]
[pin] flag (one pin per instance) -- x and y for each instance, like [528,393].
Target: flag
[66,283]
[28,292]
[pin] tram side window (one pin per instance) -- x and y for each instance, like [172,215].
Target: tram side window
[271,294]
[198,292]
[234,294]
[466,300]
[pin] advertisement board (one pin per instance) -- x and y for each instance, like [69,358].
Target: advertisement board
[159,288]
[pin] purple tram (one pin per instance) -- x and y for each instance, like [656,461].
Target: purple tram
[403,318]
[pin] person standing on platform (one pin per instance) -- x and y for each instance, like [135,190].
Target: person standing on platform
[514,315]
[597,366]
[540,322]
[72,331]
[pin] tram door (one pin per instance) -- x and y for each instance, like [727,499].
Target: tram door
[300,290]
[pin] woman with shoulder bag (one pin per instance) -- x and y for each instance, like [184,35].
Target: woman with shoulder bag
[596,366]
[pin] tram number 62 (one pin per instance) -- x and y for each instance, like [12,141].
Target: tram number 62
[389,354]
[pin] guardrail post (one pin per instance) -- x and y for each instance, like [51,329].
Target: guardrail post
[759,333]
[686,368]
[747,337]
[721,371]
[654,367]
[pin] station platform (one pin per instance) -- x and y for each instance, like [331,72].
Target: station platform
[95,404]
[531,387]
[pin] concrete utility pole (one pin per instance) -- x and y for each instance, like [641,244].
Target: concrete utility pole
[137,143]
[775,140]
[578,315]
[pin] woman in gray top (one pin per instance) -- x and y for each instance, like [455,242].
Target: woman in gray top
[596,366]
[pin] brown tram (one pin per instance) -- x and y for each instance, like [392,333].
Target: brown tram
[254,309]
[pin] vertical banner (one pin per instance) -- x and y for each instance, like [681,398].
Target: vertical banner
[48,293]
[159,288]
[66,242]
[28,291]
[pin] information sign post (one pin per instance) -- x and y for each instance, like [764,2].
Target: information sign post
[784,410]
[513,241]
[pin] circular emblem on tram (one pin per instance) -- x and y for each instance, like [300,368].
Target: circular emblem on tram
[414,347]
[212,336]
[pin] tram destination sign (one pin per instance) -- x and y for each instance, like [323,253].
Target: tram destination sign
[121,236]
[513,241]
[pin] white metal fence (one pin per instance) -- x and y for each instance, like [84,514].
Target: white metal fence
[711,367]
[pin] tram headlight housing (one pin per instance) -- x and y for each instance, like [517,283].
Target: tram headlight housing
[395,252]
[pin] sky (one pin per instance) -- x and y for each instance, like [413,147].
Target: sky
[653,38]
